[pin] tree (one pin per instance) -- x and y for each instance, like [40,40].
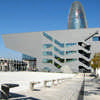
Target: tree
[95,63]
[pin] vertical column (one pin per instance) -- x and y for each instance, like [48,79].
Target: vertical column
[64,52]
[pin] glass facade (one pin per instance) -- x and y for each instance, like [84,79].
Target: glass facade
[77,18]
[70,44]
[71,60]
[70,52]
[96,38]
[59,51]
[47,36]
[47,53]
[26,57]
[59,44]
[47,61]
[47,46]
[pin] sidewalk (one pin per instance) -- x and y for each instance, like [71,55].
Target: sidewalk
[92,88]
[68,90]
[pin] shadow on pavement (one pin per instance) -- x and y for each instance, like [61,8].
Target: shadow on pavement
[94,92]
[36,90]
[26,98]
[95,83]
[15,96]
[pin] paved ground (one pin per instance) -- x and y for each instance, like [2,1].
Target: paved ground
[92,88]
[68,90]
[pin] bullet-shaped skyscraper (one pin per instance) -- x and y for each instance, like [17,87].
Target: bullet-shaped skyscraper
[76,18]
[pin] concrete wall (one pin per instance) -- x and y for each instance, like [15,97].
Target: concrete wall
[24,78]
[31,43]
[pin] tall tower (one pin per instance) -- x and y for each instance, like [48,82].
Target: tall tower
[76,18]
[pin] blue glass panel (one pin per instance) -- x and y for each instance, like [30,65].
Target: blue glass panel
[70,44]
[60,44]
[27,57]
[48,36]
[76,18]
[57,50]
[47,53]
[95,39]
[47,60]
[70,52]
[47,46]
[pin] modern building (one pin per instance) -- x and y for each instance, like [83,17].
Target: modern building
[31,62]
[58,51]
[12,65]
[62,50]
[76,18]
[17,65]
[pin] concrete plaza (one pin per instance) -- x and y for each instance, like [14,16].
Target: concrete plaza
[75,87]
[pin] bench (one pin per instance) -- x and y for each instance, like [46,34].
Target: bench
[47,81]
[32,84]
[5,89]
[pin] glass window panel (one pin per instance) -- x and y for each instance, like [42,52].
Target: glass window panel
[47,53]
[27,57]
[58,43]
[47,36]
[70,44]
[71,60]
[57,50]
[47,61]
[95,38]
[47,46]
[70,52]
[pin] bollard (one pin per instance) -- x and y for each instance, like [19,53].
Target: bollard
[32,84]
[53,82]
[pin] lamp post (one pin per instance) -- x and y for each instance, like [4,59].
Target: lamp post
[91,36]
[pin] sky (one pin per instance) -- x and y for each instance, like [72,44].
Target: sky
[19,16]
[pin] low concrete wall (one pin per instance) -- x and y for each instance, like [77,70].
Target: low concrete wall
[24,78]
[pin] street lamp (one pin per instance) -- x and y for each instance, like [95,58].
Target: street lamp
[91,36]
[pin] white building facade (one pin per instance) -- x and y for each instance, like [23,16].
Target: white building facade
[57,51]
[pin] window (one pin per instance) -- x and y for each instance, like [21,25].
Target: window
[70,52]
[57,65]
[46,69]
[27,57]
[70,44]
[57,50]
[47,46]
[59,59]
[96,39]
[71,60]
[47,61]
[47,53]
[59,44]
[47,36]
